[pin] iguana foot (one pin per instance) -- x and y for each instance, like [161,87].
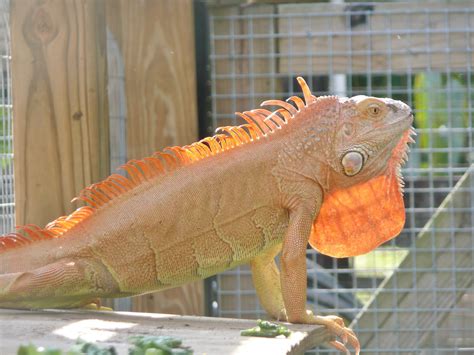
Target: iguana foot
[96,306]
[337,327]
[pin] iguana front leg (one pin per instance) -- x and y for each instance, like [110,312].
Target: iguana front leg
[266,280]
[293,277]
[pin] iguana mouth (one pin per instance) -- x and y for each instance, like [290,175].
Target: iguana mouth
[398,150]
[400,125]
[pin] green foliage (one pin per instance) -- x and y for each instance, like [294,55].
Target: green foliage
[441,102]
[80,348]
[90,349]
[4,131]
[266,329]
[143,345]
[33,350]
[158,345]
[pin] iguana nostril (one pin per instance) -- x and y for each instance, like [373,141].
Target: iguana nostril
[393,107]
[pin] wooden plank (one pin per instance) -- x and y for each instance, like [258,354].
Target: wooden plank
[415,278]
[156,40]
[59,102]
[157,44]
[60,329]
[320,38]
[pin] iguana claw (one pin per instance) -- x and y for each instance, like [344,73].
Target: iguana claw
[337,327]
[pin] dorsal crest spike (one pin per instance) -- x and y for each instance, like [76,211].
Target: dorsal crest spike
[298,102]
[285,105]
[255,120]
[259,124]
[262,115]
[279,118]
[31,233]
[308,97]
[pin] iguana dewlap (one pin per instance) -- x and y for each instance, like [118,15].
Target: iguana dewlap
[324,170]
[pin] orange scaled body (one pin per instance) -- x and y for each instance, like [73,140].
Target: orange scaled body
[320,170]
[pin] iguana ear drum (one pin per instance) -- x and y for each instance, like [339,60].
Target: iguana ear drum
[352,163]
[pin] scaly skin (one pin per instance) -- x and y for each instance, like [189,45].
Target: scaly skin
[244,204]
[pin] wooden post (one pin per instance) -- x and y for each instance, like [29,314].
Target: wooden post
[156,41]
[59,103]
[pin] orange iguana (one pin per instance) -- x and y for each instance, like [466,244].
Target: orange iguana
[324,170]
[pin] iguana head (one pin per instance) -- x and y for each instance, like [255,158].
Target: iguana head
[353,148]
[363,204]
[370,139]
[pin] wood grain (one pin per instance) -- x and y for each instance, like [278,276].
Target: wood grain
[59,104]
[157,44]
[205,335]
[156,41]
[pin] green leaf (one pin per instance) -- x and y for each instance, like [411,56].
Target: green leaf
[266,329]
[162,345]
[33,350]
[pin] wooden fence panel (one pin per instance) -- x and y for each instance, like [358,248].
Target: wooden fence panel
[60,106]
[156,41]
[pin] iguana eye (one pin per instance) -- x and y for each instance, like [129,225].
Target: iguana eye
[374,110]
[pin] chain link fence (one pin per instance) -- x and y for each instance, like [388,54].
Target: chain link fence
[414,294]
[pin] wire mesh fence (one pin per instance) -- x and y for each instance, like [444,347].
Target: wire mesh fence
[414,294]
[7,205]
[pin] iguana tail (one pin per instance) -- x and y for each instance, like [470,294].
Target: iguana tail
[63,284]
[49,268]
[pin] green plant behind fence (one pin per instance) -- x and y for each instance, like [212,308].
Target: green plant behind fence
[441,102]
